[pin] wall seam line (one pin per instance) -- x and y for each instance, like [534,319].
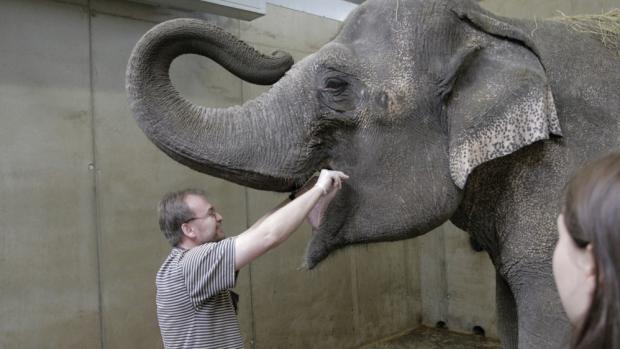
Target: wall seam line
[354,293]
[95,176]
[443,279]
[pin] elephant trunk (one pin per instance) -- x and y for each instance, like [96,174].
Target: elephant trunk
[258,144]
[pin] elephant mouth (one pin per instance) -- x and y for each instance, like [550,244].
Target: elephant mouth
[321,232]
[315,216]
[317,213]
[326,225]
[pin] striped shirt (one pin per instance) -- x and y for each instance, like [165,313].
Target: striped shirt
[194,306]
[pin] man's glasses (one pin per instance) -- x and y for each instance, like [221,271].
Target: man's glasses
[210,213]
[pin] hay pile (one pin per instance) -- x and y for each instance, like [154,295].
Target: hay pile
[605,26]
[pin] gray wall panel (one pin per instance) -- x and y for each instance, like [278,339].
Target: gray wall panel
[470,286]
[48,293]
[289,29]
[386,285]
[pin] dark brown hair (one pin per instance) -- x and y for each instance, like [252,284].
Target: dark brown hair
[592,216]
[173,212]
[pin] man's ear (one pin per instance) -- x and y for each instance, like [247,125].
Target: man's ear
[188,231]
[500,99]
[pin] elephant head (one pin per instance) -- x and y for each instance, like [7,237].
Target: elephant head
[408,99]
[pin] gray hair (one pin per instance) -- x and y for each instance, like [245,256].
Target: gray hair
[173,212]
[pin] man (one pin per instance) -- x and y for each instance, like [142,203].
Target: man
[194,305]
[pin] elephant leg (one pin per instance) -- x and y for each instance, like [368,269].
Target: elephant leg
[541,318]
[506,314]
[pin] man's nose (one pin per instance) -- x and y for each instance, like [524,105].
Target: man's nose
[218,217]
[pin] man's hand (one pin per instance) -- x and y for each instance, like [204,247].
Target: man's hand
[315,216]
[330,180]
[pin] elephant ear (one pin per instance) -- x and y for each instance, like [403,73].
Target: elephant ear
[496,94]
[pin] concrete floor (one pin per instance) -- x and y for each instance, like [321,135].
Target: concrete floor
[432,338]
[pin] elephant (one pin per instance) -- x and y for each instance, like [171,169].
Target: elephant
[463,115]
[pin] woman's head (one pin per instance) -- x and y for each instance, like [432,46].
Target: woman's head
[586,261]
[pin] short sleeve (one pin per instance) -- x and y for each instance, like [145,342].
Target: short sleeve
[209,269]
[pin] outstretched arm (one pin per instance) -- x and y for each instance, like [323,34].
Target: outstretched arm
[273,229]
[262,219]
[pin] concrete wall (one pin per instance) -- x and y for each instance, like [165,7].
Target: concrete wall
[79,244]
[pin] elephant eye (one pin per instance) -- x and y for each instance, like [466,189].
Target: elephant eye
[335,84]
[339,92]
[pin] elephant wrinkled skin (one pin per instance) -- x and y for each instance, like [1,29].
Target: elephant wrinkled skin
[461,114]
